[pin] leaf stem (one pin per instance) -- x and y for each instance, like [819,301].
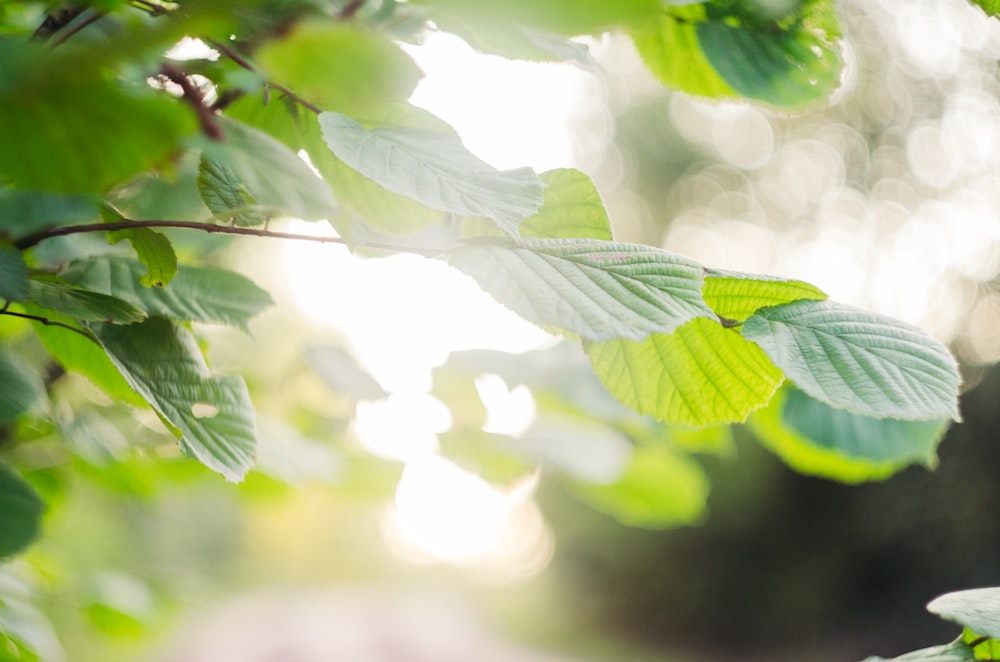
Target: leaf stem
[47,322]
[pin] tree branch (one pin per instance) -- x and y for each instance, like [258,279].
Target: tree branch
[194,97]
[47,322]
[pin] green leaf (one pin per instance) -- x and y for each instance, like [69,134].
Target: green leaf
[571,209]
[167,195]
[13,274]
[435,169]
[701,374]
[82,304]
[582,450]
[736,296]
[658,490]
[991,7]
[23,212]
[343,374]
[815,439]
[211,416]
[597,289]
[210,296]
[514,41]
[567,17]
[155,252]
[855,360]
[270,173]
[977,609]
[273,113]
[956,651]
[338,66]
[20,391]
[224,194]
[21,512]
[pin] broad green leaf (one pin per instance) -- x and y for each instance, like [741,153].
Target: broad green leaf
[19,390]
[567,17]
[224,194]
[24,212]
[597,289]
[13,275]
[20,512]
[571,209]
[855,360]
[991,7]
[736,296]
[435,169]
[813,438]
[167,195]
[82,304]
[155,252]
[956,651]
[272,174]
[339,66]
[211,296]
[83,356]
[701,374]
[977,609]
[274,114]
[211,416]
[658,490]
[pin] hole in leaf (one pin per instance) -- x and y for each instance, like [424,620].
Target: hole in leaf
[204,410]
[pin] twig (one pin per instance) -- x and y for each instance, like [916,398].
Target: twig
[61,37]
[243,62]
[57,20]
[350,9]
[194,97]
[47,322]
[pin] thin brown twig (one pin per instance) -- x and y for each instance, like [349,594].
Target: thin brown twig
[47,322]
[61,36]
[194,97]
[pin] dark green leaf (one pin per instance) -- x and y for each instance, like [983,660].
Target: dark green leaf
[851,359]
[736,296]
[20,512]
[225,196]
[977,609]
[211,416]
[13,275]
[597,289]
[211,296]
[155,252]
[82,304]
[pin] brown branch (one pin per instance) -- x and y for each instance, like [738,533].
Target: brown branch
[194,97]
[47,322]
[56,20]
[350,9]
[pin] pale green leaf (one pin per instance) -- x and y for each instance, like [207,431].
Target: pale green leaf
[212,416]
[977,609]
[270,173]
[512,40]
[736,296]
[13,275]
[567,17]
[225,196]
[339,66]
[24,212]
[701,374]
[82,304]
[342,373]
[211,296]
[856,360]
[435,169]
[582,450]
[571,209]
[19,390]
[815,439]
[20,512]
[956,651]
[658,490]
[155,252]
[597,289]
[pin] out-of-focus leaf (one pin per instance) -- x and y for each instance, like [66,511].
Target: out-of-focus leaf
[435,169]
[342,373]
[19,390]
[211,416]
[223,193]
[571,209]
[211,296]
[566,17]
[20,512]
[658,490]
[736,296]
[512,40]
[13,275]
[168,195]
[956,651]
[977,609]
[813,438]
[585,451]
[154,251]
[598,289]
[851,359]
[82,304]
[23,212]
[701,374]
[339,66]
[275,115]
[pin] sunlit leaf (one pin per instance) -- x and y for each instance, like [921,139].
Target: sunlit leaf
[597,289]
[567,17]
[155,252]
[736,296]
[20,512]
[701,374]
[19,390]
[571,209]
[339,66]
[991,7]
[851,359]
[342,373]
[82,304]
[275,115]
[211,416]
[212,296]
[13,275]
[512,40]
[436,169]
[813,438]
[658,490]
[977,609]
[224,194]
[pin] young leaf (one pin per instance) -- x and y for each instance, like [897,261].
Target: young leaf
[82,304]
[155,252]
[223,192]
[20,512]
[977,609]
[855,360]
[571,209]
[701,374]
[436,169]
[813,438]
[162,362]
[13,275]
[599,290]
[211,296]
[736,296]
